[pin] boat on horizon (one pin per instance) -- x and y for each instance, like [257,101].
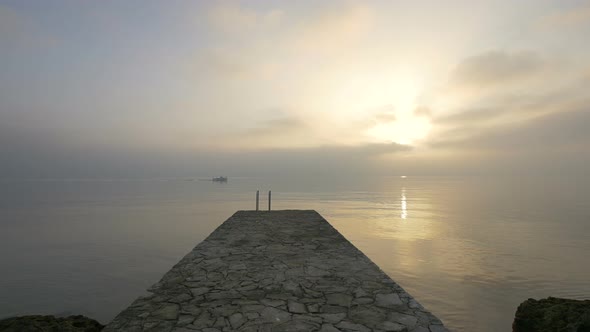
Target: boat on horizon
[220,179]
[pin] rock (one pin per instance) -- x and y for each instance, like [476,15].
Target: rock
[236,320]
[271,271]
[352,327]
[440,328]
[329,328]
[339,299]
[421,329]
[552,314]
[333,309]
[388,300]
[406,320]
[359,292]
[210,329]
[274,315]
[199,291]
[272,303]
[313,307]
[315,272]
[394,327]
[39,323]
[168,312]
[367,315]
[202,321]
[362,300]
[333,318]
[185,320]
[296,307]
[296,325]
[252,315]
[252,308]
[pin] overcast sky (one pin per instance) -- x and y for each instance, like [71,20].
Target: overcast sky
[194,88]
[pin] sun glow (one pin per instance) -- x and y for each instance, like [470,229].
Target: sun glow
[405,130]
[406,127]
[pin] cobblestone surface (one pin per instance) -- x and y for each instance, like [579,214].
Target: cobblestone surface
[276,271]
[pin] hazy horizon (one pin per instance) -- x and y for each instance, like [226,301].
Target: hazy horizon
[246,88]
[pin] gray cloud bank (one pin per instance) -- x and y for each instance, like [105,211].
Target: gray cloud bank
[44,156]
[552,143]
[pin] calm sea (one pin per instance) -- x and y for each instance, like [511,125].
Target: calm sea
[470,249]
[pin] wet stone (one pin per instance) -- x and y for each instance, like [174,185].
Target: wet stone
[275,271]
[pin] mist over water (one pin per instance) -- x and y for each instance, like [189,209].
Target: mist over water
[470,249]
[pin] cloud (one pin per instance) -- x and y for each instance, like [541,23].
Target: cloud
[256,43]
[17,30]
[512,112]
[471,116]
[385,113]
[572,17]
[497,88]
[326,160]
[229,17]
[566,129]
[334,29]
[279,126]
[422,111]
[13,27]
[225,63]
[35,153]
[496,67]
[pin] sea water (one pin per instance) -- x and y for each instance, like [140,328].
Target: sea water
[470,249]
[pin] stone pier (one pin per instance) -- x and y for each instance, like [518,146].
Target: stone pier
[276,271]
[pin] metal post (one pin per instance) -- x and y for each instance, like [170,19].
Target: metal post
[269,200]
[257,195]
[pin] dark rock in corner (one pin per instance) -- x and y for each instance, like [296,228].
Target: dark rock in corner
[38,323]
[552,315]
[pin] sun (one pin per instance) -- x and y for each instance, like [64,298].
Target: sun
[404,130]
[385,99]
[405,127]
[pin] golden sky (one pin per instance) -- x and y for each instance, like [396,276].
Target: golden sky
[389,86]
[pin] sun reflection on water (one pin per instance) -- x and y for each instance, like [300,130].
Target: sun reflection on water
[404,214]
